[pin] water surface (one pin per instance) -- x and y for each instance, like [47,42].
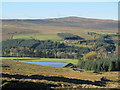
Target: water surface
[53,64]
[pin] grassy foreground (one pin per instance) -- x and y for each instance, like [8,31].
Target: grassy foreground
[18,73]
[74,61]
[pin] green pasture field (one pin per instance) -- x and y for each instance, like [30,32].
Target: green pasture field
[107,33]
[39,37]
[18,58]
[74,61]
[79,45]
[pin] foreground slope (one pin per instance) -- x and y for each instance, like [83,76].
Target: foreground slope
[17,74]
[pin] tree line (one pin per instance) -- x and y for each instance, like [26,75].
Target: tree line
[41,48]
[106,64]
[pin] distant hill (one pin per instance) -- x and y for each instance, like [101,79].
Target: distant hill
[56,25]
[83,22]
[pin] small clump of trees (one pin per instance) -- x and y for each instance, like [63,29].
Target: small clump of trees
[69,36]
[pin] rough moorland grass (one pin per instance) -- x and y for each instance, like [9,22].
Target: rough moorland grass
[22,70]
[39,37]
[74,61]
[12,67]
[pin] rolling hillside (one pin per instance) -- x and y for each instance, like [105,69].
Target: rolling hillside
[75,25]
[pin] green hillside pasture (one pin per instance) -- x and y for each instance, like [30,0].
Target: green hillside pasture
[39,37]
[77,45]
[17,58]
[74,61]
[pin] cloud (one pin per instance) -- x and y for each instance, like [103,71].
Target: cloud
[15,16]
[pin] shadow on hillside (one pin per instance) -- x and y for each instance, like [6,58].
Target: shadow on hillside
[26,85]
[54,78]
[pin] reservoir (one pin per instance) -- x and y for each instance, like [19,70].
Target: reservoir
[53,64]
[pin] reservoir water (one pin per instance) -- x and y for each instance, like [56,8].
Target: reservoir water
[53,64]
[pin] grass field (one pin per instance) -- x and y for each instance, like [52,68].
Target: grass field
[45,74]
[74,61]
[27,68]
[77,45]
[39,37]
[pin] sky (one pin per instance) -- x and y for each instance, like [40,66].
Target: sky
[42,10]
